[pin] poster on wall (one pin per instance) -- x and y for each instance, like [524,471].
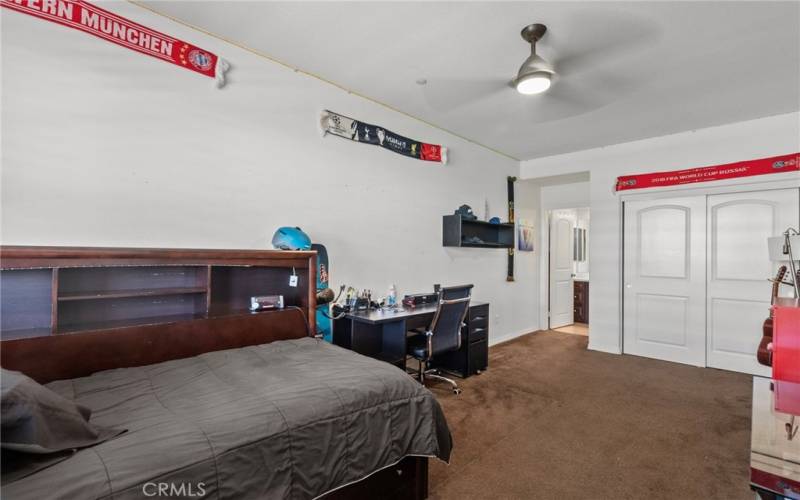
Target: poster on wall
[91,19]
[342,126]
[763,166]
[525,236]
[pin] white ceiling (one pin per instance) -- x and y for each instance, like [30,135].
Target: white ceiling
[628,70]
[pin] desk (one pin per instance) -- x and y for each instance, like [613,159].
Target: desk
[381,334]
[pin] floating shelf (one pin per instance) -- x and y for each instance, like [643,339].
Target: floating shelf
[482,245]
[458,232]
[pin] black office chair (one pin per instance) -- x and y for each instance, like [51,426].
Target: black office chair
[444,333]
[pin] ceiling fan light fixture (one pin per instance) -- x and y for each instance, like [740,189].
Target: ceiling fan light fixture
[534,83]
[535,75]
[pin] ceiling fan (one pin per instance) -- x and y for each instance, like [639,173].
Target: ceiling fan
[580,79]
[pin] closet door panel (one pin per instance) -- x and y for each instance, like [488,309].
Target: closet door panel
[664,279]
[738,293]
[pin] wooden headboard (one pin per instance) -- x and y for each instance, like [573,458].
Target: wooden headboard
[67,312]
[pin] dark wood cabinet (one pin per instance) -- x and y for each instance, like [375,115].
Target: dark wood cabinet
[581,300]
[59,290]
[473,356]
[68,312]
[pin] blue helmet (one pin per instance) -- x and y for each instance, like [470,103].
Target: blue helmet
[291,238]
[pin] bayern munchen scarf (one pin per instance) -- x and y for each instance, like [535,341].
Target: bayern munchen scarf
[83,16]
[355,130]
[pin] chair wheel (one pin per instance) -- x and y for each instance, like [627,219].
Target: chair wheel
[456,391]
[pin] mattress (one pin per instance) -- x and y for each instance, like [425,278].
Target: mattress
[292,419]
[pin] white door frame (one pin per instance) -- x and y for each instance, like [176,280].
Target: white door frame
[740,185]
[544,262]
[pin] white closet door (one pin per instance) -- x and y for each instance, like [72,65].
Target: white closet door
[738,296]
[665,279]
[562,294]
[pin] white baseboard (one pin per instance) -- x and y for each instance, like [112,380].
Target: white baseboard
[592,346]
[510,336]
[602,348]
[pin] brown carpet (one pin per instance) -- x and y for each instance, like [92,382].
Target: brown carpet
[550,419]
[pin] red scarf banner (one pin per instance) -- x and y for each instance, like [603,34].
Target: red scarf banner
[101,23]
[763,166]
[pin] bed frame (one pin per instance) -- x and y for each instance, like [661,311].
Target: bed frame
[67,312]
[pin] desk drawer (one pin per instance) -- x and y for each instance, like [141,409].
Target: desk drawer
[477,333]
[479,315]
[478,322]
[478,357]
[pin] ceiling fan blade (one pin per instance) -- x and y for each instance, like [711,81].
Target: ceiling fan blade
[448,94]
[566,99]
[607,39]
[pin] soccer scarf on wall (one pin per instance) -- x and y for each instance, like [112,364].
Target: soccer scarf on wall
[355,130]
[101,23]
[763,166]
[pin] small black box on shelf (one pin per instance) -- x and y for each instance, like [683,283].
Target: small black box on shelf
[420,299]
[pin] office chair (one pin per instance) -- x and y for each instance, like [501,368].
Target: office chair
[444,333]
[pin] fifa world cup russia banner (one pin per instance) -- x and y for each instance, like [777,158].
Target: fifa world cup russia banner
[763,166]
[336,124]
[101,23]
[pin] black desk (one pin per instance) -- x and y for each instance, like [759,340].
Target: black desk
[381,334]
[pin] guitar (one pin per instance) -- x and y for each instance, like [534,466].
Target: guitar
[764,354]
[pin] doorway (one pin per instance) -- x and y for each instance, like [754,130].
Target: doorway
[568,270]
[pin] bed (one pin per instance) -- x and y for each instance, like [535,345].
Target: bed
[226,405]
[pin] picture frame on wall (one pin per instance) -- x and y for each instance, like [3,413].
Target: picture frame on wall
[525,236]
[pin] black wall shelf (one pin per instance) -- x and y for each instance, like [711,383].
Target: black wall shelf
[458,232]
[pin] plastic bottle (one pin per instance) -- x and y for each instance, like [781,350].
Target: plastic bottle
[391,298]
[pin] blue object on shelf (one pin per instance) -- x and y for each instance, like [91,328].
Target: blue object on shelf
[291,238]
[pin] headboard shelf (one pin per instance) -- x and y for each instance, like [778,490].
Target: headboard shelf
[112,324]
[54,292]
[121,294]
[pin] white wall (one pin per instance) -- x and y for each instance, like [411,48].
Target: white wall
[760,138]
[104,146]
[526,264]
[571,195]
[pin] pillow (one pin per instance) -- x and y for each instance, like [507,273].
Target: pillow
[36,421]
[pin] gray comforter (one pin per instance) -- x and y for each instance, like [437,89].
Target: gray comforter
[291,419]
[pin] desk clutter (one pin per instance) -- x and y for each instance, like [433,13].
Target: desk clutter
[381,330]
[356,300]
